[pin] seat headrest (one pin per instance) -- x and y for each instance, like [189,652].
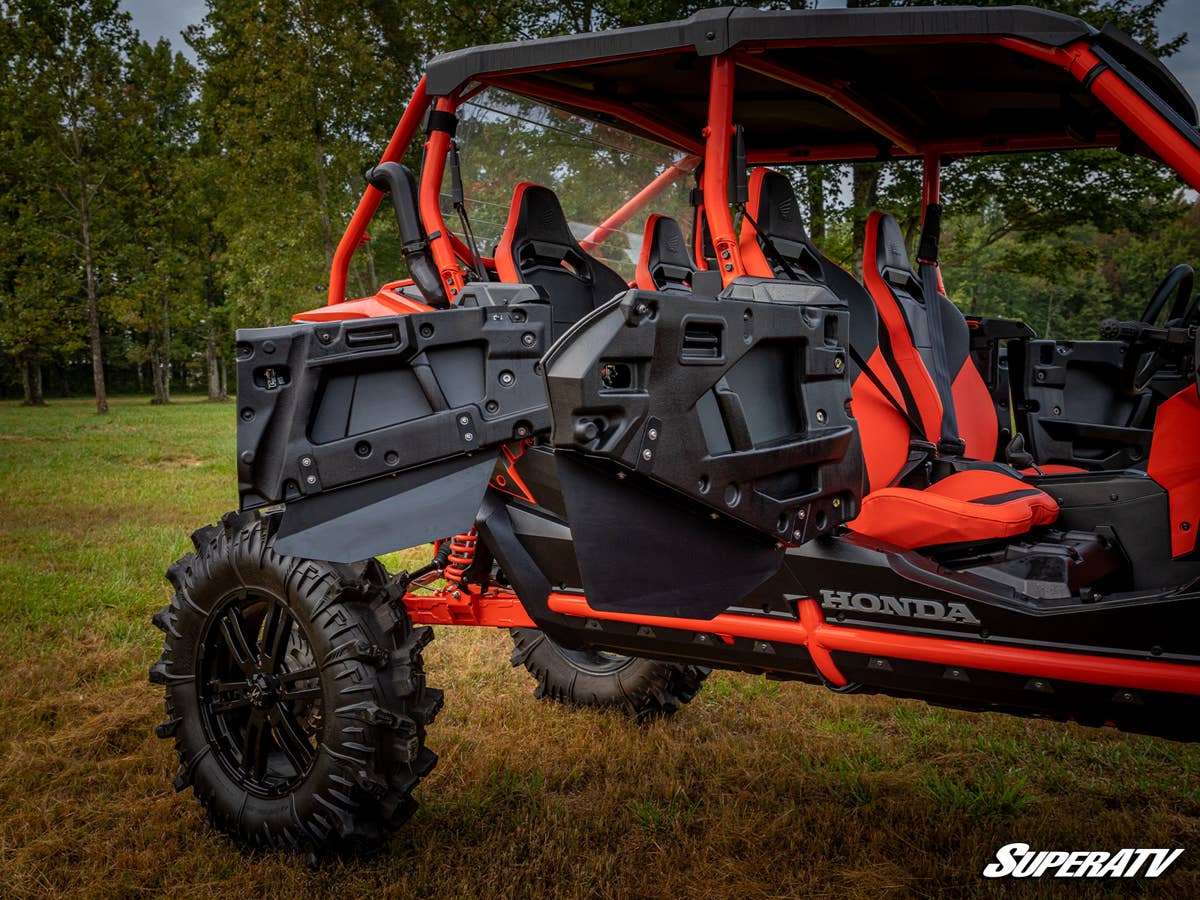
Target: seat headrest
[776,209]
[540,216]
[891,252]
[665,262]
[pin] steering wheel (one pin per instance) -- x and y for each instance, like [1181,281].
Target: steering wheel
[1179,281]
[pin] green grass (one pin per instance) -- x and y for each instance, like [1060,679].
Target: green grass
[756,789]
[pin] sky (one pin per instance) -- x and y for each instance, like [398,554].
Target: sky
[167,18]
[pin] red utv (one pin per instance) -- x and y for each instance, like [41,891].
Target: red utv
[678,437]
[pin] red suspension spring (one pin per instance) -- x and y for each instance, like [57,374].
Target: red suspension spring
[462,555]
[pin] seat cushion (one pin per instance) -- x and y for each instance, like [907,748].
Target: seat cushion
[963,507]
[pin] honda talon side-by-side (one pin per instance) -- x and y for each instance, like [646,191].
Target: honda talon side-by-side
[680,438]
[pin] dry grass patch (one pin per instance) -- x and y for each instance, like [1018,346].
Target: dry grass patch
[757,789]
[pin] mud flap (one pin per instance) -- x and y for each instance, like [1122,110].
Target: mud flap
[381,434]
[640,550]
[386,514]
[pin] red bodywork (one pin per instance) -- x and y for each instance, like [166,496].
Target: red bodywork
[1172,460]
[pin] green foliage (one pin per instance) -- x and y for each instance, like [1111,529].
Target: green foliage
[215,194]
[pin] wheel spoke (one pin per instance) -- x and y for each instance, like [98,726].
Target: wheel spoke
[298,675]
[256,746]
[308,693]
[277,626]
[221,707]
[291,740]
[226,687]
[233,627]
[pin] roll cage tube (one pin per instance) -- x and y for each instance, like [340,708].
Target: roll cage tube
[718,135]
[352,239]
[1159,127]
[437,147]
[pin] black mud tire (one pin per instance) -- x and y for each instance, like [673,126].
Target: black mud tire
[339,778]
[641,688]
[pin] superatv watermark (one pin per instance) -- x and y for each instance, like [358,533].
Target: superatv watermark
[905,607]
[1020,861]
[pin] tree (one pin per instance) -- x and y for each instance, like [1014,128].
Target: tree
[67,66]
[298,95]
[160,264]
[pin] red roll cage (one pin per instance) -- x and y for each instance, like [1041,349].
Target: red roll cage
[1160,130]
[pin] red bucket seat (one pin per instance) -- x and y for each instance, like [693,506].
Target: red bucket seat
[895,403]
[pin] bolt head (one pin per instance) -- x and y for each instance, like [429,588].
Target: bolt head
[464,420]
[652,434]
[311,479]
[468,436]
[647,454]
[306,461]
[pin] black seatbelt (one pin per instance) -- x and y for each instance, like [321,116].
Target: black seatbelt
[768,245]
[949,443]
[916,426]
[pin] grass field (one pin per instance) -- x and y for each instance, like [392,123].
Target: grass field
[757,789]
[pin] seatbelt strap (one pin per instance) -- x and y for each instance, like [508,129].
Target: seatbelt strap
[768,245]
[882,388]
[949,443]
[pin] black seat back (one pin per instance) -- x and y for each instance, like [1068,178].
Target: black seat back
[538,248]
[664,263]
[780,234]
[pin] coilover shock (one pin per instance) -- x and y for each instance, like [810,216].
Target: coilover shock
[462,555]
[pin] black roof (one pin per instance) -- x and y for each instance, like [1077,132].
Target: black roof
[934,74]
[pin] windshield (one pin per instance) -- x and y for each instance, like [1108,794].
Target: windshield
[594,169]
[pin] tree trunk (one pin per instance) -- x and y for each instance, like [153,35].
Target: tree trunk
[816,205]
[866,198]
[89,266]
[372,280]
[322,190]
[210,367]
[31,380]
[221,371]
[157,371]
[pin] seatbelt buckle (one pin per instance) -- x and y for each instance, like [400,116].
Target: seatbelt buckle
[951,447]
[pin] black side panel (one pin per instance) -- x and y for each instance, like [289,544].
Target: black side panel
[642,550]
[1073,408]
[331,413]
[739,404]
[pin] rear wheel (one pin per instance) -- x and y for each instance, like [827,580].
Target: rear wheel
[294,693]
[641,688]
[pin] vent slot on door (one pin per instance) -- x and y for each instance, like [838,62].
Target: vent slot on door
[702,340]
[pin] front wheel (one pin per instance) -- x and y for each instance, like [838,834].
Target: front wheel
[294,693]
[640,688]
